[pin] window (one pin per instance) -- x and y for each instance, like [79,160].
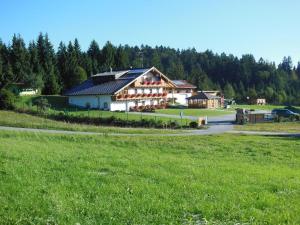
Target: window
[135,91]
[143,103]
[136,103]
[105,105]
[150,90]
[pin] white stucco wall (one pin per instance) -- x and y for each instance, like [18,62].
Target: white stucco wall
[95,101]
[29,92]
[180,97]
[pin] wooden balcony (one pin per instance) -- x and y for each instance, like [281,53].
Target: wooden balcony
[150,84]
[127,97]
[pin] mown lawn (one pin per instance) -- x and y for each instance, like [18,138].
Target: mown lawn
[258,107]
[290,127]
[195,112]
[227,179]
[13,119]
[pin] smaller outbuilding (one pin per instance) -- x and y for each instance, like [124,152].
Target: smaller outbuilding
[204,100]
[180,92]
[260,101]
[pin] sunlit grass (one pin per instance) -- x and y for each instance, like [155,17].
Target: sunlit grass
[227,179]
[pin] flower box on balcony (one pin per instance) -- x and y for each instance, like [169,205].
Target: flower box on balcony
[154,95]
[149,95]
[165,94]
[126,96]
[158,82]
[147,82]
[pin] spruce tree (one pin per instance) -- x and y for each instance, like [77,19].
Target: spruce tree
[108,54]
[95,55]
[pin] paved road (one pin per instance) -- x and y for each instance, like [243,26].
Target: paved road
[215,129]
[212,130]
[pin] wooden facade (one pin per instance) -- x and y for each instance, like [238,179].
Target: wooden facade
[204,100]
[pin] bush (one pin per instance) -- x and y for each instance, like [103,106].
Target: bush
[7,99]
[193,124]
[173,124]
[42,104]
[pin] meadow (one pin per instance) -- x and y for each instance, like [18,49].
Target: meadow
[225,179]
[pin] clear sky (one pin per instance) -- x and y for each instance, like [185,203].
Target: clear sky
[265,28]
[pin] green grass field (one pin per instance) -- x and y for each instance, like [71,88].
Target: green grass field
[290,127]
[59,104]
[227,179]
[195,112]
[13,119]
[258,107]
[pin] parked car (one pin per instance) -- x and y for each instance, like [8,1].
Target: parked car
[285,113]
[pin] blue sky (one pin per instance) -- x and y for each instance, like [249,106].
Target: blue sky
[265,28]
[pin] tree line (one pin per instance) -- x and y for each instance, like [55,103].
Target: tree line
[38,65]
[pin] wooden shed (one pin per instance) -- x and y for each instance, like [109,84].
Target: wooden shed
[204,100]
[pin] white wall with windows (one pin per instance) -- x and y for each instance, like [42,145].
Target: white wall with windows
[95,102]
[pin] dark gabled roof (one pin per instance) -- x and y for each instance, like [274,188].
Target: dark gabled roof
[89,87]
[202,95]
[183,84]
[108,88]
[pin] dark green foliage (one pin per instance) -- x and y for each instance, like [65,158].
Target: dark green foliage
[193,124]
[42,104]
[39,66]
[7,99]
[229,91]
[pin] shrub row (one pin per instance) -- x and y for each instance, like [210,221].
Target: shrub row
[110,121]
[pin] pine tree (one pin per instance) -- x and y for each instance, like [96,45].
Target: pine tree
[48,63]
[35,78]
[19,59]
[62,64]
[95,55]
[108,54]
[121,59]
[229,91]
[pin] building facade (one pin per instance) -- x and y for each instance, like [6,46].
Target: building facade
[205,100]
[181,92]
[128,90]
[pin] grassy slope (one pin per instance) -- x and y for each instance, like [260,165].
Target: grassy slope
[225,179]
[8,118]
[291,127]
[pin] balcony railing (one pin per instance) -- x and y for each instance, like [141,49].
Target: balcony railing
[141,96]
[151,83]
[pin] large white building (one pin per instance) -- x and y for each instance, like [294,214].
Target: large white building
[135,89]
